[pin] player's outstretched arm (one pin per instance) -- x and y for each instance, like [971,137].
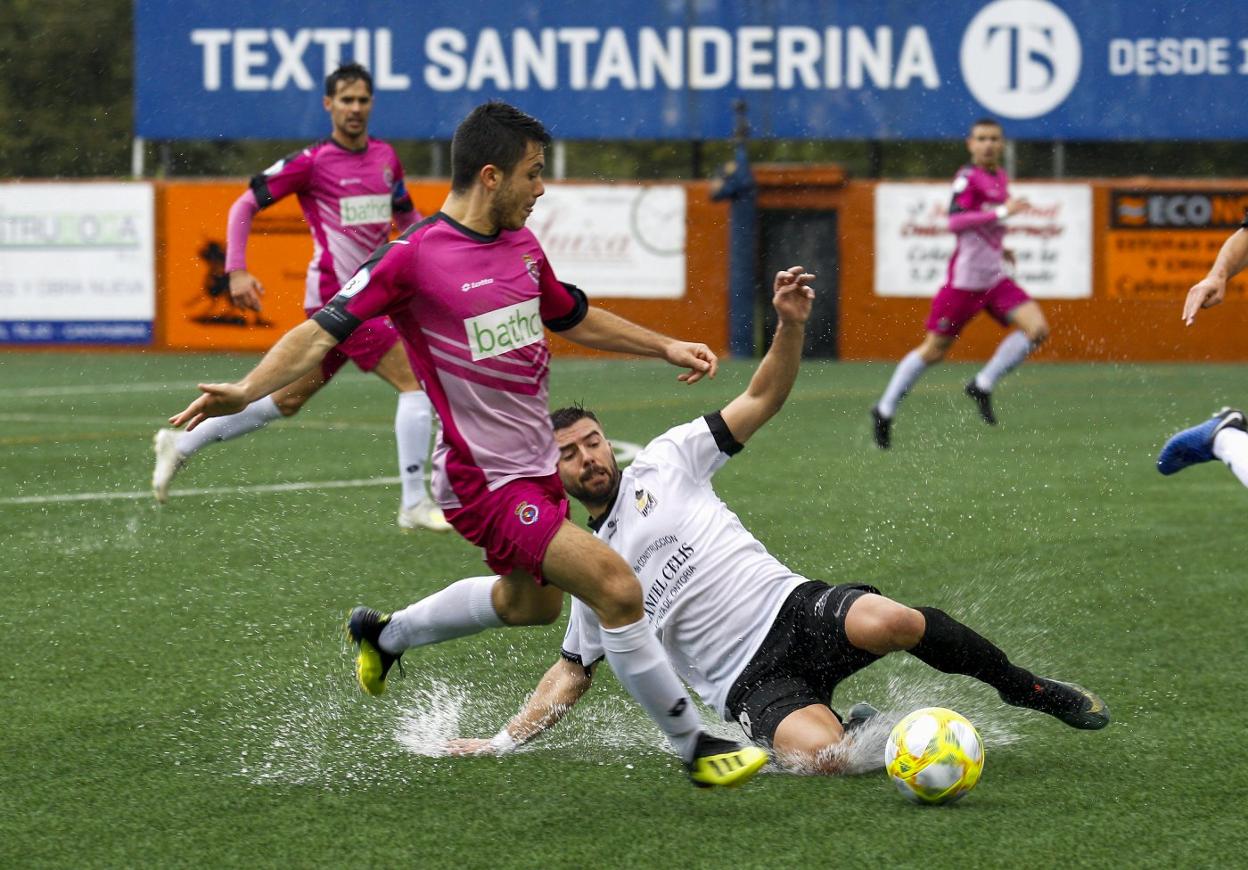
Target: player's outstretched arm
[774,377]
[1212,290]
[561,687]
[603,330]
[291,358]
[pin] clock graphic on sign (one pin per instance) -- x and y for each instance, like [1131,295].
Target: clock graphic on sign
[658,219]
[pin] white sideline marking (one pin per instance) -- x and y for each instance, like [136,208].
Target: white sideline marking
[216,490]
[91,389]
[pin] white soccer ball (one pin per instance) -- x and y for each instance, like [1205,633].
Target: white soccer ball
[934,756]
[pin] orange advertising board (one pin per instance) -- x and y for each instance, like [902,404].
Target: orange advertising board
[195,310]
[1161,241]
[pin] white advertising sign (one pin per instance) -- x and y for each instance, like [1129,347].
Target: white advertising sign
[615,241]
[1051,241]
[78,263]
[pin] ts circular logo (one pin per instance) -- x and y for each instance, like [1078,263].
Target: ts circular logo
[1021,58]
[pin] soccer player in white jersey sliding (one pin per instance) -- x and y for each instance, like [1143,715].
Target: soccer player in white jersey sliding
[471,291]
[759,643]
[1225,435]
[350,187]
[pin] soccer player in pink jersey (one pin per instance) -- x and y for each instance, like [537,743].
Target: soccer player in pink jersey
[1225,435]
[977,280]
[350,187]
[471,291]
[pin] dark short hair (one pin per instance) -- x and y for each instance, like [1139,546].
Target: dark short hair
[494,133]
[562,418]
[985,122]
[348,72]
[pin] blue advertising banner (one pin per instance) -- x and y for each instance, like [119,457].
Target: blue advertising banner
[671,69]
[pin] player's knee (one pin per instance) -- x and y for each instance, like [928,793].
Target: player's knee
[541,606]
[1038,335]
[880,625]
[904,626]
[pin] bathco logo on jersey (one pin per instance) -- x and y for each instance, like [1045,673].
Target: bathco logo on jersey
[504,329]
[356,210]
[1021,58]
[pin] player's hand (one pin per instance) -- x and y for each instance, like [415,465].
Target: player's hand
[245,290]
[466,746]
[1206,294]
[1015,204]
[792,294]
[216,400]
[698,358]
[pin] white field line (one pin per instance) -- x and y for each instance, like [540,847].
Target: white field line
[216,490]
[155,422]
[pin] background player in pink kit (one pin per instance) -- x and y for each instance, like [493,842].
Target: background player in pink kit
[470,290]
[350,187]
[977,280]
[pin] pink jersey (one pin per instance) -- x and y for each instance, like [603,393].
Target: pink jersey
[348,199]
[978,260]
[471,309]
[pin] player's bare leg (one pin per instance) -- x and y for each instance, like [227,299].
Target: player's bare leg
[173,448]
[413,429]
[1032,331]
[912,366]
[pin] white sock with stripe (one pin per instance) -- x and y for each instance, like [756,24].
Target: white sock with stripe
[639,664]
[413,426]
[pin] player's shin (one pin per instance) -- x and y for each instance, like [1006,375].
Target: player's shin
[1010,353]
[637,659]
[952,648]
[1231,446]
[413,425]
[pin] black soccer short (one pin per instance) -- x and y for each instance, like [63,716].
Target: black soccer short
[800,661]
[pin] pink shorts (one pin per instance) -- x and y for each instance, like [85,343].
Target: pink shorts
[515,523]
[365,347]
[952,308]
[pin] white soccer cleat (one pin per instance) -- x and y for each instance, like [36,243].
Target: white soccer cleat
[168,462]
[423,515]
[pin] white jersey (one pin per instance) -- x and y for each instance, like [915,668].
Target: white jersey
[710,590]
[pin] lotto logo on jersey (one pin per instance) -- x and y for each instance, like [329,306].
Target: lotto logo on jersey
[504,329]
[356,210]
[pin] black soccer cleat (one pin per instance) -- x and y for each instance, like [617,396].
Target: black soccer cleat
[883,429]
[719,762]
[1071,703]
[372,663]
[983,401]
[859,714]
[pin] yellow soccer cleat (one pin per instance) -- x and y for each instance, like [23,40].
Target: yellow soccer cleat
[723,763]
[372,663]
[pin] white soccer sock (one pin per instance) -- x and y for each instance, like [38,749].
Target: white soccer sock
[460,609]
[255,416]
[1231,446]
[907,374]
[638,662]
[413,424]
[1012,350]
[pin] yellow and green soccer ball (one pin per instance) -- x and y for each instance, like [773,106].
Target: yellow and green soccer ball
[934,756]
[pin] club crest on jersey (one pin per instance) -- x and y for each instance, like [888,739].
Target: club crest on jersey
[528,513]
[644,501]
[534,270]
[387,176]
[357,283]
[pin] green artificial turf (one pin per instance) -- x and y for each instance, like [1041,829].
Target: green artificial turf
[176,691]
